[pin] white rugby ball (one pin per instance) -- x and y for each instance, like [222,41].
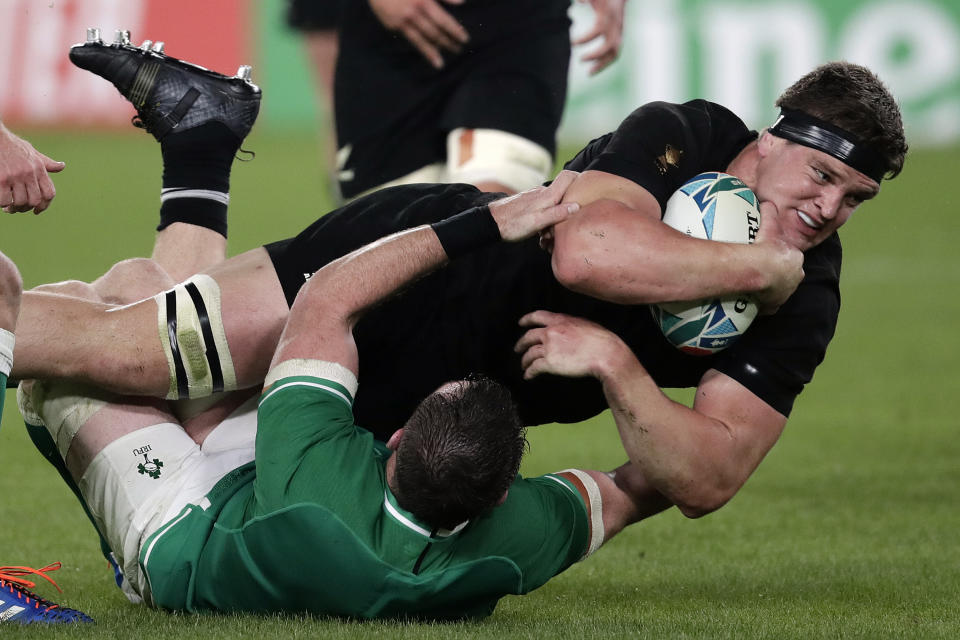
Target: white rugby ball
[710,206]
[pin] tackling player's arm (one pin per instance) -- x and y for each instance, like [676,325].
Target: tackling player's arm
[326,309]
[697,458]
[618,249]
[618,507]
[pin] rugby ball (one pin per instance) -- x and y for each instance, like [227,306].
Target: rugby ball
[710,206]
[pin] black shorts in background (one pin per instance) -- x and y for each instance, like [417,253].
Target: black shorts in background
[394,111]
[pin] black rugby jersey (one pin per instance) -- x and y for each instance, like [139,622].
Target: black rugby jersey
[463,318]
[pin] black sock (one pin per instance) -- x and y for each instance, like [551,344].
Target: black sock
[196,176]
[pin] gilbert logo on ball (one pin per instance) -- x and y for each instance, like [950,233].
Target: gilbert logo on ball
[710,206]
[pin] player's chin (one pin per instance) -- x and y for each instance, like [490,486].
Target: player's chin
[804,237]
[809,241]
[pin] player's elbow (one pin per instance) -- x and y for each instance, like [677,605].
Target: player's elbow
[574,270]
[695,510]
[705,499]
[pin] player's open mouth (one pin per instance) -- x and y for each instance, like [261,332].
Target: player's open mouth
[807,220]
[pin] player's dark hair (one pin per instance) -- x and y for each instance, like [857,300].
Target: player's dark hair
[853,98]
[460,452]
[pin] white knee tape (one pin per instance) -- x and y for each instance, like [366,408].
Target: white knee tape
[489,155]
[191,331]
[62,407]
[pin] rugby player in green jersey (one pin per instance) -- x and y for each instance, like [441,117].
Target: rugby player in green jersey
[304,511]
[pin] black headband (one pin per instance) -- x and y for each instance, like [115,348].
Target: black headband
[812,132]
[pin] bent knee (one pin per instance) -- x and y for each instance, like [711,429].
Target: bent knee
[132,280]
[10,281]
[72,288]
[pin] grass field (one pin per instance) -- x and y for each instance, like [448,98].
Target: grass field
[849,529]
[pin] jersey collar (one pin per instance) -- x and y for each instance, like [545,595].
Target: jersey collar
[410,521]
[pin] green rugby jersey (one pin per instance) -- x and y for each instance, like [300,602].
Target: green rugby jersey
[311,526]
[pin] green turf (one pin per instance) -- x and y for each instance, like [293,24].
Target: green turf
[849,529]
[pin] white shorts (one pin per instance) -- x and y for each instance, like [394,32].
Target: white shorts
[143,479]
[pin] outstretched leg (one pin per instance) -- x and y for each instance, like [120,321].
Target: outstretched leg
[200,118]
[96,439]
[120,348]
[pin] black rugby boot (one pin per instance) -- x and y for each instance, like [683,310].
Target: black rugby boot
[170,95]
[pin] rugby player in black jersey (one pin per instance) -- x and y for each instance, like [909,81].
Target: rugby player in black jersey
[839,135]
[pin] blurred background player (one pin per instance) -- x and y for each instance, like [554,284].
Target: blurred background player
[451,91]
[317,20]
[24,186]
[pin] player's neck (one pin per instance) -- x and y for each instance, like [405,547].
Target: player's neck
[744,165]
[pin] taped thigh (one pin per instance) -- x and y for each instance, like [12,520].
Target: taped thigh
[61,407]
[191,332]
[489,155]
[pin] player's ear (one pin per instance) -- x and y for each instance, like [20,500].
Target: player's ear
[394,440]
[766,143]
[503,498]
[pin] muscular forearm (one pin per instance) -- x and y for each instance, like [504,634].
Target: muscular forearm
[679,452]
[646,500]
[610,252]
[696,458]
[619,250]
[328,306]
[360,280]
[368,275]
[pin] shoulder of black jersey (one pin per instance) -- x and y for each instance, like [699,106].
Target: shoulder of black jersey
[824,260]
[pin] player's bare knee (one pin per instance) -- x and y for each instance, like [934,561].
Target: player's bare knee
[495,159]
[72,288]
[11,284]
[131,280]
[194,340]
[11,288]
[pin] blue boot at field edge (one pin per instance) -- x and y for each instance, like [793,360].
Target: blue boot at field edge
[18,604]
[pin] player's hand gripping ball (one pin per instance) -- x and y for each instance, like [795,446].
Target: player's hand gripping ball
[710,206]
